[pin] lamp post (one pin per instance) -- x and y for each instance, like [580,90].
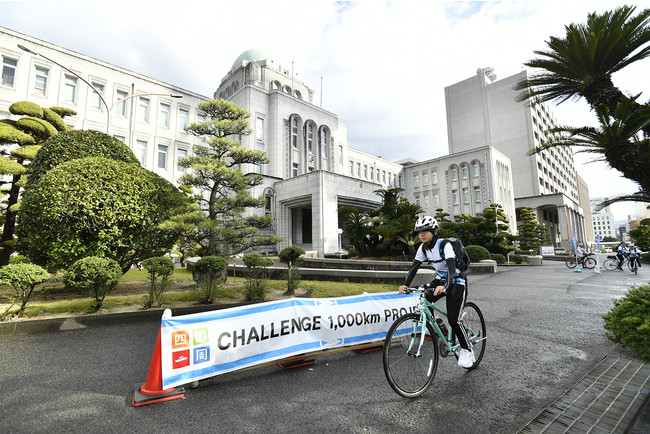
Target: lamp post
[108,109]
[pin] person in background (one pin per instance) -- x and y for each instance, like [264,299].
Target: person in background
[635,254]
[621,251]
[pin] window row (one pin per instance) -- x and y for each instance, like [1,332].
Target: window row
[466,195]
[162,154]
[70,94]
[372,174]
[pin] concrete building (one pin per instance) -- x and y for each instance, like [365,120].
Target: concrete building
[603,220]
[463,182]
[484,112]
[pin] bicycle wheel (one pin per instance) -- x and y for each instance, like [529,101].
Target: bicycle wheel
[475,326]
[629,264]
[590,263]
[610,264]
[571,263]
[407,373]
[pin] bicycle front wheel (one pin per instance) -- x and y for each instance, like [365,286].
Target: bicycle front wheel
[475,327]
[590,263]
[610,264]
[410,356]
[571,263]
[630,265]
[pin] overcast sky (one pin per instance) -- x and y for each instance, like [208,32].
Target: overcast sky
[384,65]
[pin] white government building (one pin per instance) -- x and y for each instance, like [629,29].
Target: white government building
[312,170]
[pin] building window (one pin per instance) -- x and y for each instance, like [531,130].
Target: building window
[183,119]
[143,110]
[70,89]
[464,171]
[365,171]
[259,129]
[359,170]
[323,142]
[163,120]
[383,176]
[416,180]
[434,177]
[426,201]
[294,133]
[454,174]
[475,169]
[141,151]
[162,156]
[310,138]
[372,174]
[295,169]
[341,155]
[40,83]
[8,71]
[267,206]
[454,195]
[96,98]
[121,107]
[200,118]
[477,194]
[465,195]
[351,168]
[181,154]
[436,201]
[120,138]
[425,179]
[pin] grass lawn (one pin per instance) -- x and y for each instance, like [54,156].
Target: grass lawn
[53,299]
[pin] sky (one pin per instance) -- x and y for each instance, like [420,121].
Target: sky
[383,65]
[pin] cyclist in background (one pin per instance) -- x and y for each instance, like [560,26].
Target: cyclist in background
[635,255]
[621,250]
[451,284]
[581,252]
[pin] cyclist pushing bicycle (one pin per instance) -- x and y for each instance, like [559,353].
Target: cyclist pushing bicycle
[454,287]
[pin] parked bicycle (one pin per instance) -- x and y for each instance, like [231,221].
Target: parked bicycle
[585,262]
[415,342]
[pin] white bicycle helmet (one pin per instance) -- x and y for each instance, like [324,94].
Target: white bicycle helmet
[426,223]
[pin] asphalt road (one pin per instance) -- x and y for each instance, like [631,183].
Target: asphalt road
[544,327]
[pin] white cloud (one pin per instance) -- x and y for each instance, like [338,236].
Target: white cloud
[384,64]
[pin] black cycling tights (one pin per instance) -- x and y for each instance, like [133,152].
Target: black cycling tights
[456,297]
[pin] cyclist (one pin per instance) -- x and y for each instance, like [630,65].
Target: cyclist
[635,255]
[581,252]
[621,251]
[455,286]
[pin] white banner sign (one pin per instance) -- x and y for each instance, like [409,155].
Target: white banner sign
[203,345]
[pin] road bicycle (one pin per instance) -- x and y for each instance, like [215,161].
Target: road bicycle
[612,262]
[415,343]
[586,261]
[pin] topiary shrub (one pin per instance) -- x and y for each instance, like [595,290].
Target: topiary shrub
[95,276]
[209,273]
[628,323]
[53,118]
[26,108]
[477,253]
[291,256]
[38,128]
[96,207]
[257,276]
[498,257]
[74,144]
[63,111]
[23,278]
[162,268]
[517,259]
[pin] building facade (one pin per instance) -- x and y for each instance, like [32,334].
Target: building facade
[603,220]
[484,112]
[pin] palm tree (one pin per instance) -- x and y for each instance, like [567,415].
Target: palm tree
[582,63]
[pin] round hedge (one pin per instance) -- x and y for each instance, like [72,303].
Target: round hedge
[73,144]
[96,207]
[26,108]
[10,134]
[477,253]
[53,118]
[40,129]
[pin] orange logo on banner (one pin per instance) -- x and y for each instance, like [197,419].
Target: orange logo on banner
[180,339]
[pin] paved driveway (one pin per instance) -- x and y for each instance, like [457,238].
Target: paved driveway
[545,332]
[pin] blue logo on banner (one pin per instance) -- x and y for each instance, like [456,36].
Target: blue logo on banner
[201,354]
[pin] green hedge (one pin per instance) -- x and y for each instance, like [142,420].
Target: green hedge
[477,253]
[628,323]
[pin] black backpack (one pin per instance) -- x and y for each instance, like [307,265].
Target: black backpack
[462,258]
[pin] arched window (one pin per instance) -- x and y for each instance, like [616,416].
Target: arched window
[286,89]
[294,133]
[298,94]
[323,142]
[310,138]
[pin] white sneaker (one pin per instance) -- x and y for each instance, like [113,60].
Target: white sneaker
[466,358]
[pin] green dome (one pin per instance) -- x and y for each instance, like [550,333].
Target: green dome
[259,53]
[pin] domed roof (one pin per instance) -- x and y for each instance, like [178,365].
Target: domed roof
[259,53]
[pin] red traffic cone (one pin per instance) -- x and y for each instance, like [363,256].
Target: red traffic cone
[151,391]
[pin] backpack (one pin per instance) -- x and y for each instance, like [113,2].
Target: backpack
[462,258]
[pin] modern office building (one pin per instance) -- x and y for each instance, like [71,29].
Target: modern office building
[482,111]
[603,220]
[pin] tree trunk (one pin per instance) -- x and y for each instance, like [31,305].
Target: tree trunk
[10,223]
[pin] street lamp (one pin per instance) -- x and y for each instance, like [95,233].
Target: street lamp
[108,109]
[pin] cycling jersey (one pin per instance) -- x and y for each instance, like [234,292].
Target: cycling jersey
[431,254]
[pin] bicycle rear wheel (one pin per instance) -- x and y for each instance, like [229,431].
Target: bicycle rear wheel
[475,326]
[590,263]
[610,264]
[408,373]
[571,263]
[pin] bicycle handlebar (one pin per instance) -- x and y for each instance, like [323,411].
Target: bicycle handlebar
[423,289]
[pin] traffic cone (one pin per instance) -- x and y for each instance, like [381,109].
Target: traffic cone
[151,391]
